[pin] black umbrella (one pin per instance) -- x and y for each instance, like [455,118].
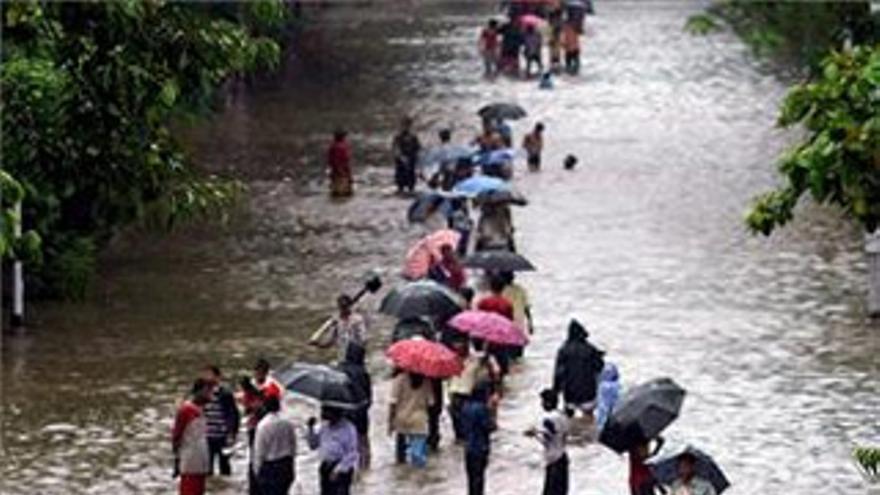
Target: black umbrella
[412,327]
[665,469]
[321,383]
[502,111]
[500,260]
[422,298]
[642,414]
[505,196]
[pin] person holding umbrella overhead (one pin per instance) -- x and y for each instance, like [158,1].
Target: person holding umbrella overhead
[690,472]
[411,397]
[337,445]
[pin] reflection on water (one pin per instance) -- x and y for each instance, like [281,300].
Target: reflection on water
[644,241]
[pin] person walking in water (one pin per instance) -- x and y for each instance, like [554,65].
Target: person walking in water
[274,452]
[406,148]
[533,143]
[571,45]
[578,365]
[552,433]
[477,426]
[354,367]
[223,420]
[336,442]
[348,327]
[267,385]
[641,479]
[489,48]
[411,397]
[532,45]
[609,393]
[339,165]
[189,440]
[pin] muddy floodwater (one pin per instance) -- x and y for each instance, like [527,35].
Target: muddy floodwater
[644,242]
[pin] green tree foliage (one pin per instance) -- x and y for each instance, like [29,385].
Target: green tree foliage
[27,245]
[838,160]
[90,90]
[799,32]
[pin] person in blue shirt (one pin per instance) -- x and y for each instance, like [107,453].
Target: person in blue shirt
[477,426]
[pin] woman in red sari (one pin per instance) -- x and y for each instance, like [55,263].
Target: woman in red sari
[339,164]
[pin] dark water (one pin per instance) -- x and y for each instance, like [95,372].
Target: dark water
[644,242]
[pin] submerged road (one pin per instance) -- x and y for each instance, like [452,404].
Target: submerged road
[644,242]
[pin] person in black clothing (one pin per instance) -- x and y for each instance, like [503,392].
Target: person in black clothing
[511,44]
[434,413]
[223,420]
[578,364]
[354,367]
[406,148]
[477,426]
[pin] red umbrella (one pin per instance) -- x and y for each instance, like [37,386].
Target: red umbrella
[425,358]
[490,327]
[426,251]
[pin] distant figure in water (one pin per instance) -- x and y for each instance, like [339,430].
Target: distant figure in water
[339,165]
[546,81]
[570,162]
[406,148]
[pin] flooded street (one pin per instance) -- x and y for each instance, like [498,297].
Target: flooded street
[644,242]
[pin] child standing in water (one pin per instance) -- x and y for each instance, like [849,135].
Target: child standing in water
[533,143]
[571,44]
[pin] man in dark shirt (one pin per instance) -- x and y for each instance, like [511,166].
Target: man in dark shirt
[406,148]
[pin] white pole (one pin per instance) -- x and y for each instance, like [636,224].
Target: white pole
[17,320]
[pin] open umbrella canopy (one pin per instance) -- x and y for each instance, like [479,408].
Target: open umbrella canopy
[425,357]
[421,298]
[642,414]
[447,154]
[504,155]
[480,184]
[428,204]
[502,196]
[502,111]
[424,252]
[488,326]
[665,469]
[500,260]
[323,384]
[531,20]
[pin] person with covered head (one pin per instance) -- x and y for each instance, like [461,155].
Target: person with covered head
[578,364]
[337,445]
[354,367]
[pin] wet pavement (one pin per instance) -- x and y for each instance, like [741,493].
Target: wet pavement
[644,242]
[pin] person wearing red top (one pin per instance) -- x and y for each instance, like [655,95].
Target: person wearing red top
[641,480]
[496,303]
[267,385]
[489,47]
[339,164]
[448,270]
[189,441]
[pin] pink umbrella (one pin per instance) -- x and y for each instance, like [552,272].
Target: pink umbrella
[490,327]
[424,357]
[531,20]
[424,252]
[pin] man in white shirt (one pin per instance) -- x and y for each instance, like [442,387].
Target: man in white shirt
[272,457]
[552,432]
[347,327]
[688,483]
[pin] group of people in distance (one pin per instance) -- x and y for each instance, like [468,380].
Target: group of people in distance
[507,47]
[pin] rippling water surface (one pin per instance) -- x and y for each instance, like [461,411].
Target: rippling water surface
[644,242]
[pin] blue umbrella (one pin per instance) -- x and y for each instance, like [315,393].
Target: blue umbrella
[665,469]
[427,204]
[496,157]
[447,154]
[480,184]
